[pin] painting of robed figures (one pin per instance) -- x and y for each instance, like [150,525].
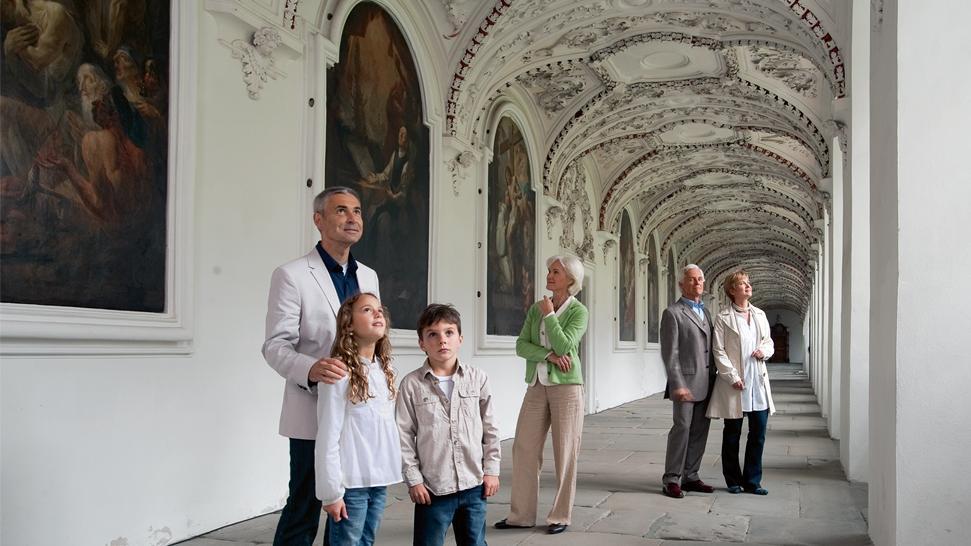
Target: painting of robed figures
[627,283]
[653,296]
[84,127]
[377,144]
[511,233]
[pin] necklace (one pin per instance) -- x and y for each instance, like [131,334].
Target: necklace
[741,309]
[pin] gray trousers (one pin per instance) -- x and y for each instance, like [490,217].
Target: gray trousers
[686,442]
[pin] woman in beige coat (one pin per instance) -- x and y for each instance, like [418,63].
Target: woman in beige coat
[742,345]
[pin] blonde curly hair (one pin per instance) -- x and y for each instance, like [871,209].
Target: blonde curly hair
[347,350]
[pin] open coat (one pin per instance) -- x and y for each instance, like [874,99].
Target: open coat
[726,401]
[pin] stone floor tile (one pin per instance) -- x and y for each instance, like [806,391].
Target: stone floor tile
[203,541]
[831,502]
[801,531]
[587,539]
[259,530]
[782,501]
[701,527]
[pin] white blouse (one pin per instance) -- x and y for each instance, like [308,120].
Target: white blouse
[753,396]
[357,444]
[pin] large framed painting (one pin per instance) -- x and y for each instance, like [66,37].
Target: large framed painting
[653,296]
[627,283]
[674,277]
[377,143]
[89,98]
[510,278]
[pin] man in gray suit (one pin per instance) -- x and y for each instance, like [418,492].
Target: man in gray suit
[686,336]
[301,323]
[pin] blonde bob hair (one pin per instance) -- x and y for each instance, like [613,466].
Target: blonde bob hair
[732,280]
[574,269]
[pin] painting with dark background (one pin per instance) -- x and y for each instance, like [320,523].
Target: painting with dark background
[626,289]
[510,280]
[653,296]
[674,277]
[84,121]
[377,144]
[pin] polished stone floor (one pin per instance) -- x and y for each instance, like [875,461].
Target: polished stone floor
[618,488]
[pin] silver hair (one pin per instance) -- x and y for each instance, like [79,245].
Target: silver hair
[574,268]
[321,198]
[689,267]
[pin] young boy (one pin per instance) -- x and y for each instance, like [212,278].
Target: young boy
[449,438]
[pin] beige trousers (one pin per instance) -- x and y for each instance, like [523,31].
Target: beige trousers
[559,407]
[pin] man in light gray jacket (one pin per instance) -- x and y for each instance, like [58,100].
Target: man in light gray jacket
[301,322]
[686,336]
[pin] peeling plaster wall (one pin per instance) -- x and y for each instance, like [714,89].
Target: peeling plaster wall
[150,450]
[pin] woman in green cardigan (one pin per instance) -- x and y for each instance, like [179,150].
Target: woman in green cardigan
[549,342]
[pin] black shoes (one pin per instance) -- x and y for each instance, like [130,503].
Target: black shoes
[556,528]
[501,524]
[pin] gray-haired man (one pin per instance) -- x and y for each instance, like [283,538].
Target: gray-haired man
[686,336]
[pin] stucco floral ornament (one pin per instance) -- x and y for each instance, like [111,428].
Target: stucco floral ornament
[256,58]
[457,167]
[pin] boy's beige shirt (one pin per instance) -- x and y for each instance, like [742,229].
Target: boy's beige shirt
[447,444]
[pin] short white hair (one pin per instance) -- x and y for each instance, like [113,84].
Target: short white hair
[689,267]
[573,267]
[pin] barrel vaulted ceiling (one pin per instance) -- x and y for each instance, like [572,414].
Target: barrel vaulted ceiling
[709,120]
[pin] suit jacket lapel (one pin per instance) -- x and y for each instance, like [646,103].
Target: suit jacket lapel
[686,309]
[322,276]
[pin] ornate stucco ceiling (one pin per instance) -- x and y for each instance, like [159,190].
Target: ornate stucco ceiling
[709,120]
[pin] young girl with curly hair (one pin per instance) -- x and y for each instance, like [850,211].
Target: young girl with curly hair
[358,453]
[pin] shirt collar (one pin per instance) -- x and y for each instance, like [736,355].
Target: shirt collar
[332,265]
[694,305]
[426,368]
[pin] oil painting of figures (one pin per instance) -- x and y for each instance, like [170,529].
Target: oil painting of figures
[377,143]
[511,233]
[626,287]
[84,153]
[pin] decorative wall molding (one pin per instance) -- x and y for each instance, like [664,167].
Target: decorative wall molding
[242,17]
[457,167]
[576,205]
[256,59]
[290,14]
[608,245]
[552,213]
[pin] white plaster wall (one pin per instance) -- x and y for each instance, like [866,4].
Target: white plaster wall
[155,449]
[921,188]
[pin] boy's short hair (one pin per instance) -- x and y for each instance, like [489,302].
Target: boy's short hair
[439,312]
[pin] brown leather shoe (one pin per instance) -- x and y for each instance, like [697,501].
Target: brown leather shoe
[672,490]
[698,487]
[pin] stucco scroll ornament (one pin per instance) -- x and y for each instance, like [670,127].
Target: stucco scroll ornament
[256,58]
[552,214]
[457,166]
[609,245]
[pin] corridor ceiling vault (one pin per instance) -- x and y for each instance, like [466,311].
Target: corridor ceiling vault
[709,120]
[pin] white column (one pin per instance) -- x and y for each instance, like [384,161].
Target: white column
[919,406]
[835,295]
[855,342]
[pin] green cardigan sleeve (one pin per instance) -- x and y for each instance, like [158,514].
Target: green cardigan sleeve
[525,344]
[565,334]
